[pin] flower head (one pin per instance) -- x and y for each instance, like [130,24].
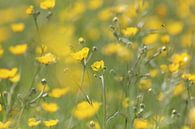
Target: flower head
[30,10]
[32,122]
[130,31]
[18,49]
[84,110]
[47,4]
[141,124]
[51,123]
[50,107]
[82,54]
[98,65]
[46,59]
[58,92]
[18,27]
[8,73]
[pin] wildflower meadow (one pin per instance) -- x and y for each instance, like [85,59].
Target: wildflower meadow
[97,64]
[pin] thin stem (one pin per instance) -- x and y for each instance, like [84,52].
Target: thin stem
[34,77]
[39,96]
[104,100]
[9,101]
[37,27]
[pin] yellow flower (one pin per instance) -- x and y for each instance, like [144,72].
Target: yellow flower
[150,39]
[47,4]
[165,39]
[6,73]
[173,68]
[153,72]
[18,49]
[51,123]
[5,125]
[189,77]
[125,103]
[180,59]
[178,89]
[46,59]
[82,54]
[32,122]
[50,107]
[30,10]
[18,27]
[95,4]
[145,84]
[98,65]
[58,92]
[15,78]
[141,124]
[174,27]
[84,110]
[130,31]
[163,68]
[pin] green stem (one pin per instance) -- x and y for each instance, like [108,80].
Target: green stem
[104,101]
[9,101]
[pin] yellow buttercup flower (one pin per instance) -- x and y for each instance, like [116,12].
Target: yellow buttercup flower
[95,4]
[84,110]
[173,68]
[150,39]
[5,125]
[47,4]
[174,27]
[15,78]
[153,73]
[82,54]
[165,39]
[30,10]
[8,73]
[178,89]
[180,59]
[130,31]
[141,124]
[163,68]
[50,107]
[51,123]
[46,59]
[32,122]
[18,49]
[98,65]
[189,77]
[59,92]
[18,27]
[145,84]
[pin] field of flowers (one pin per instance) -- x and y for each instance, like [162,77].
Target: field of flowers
[97,64]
